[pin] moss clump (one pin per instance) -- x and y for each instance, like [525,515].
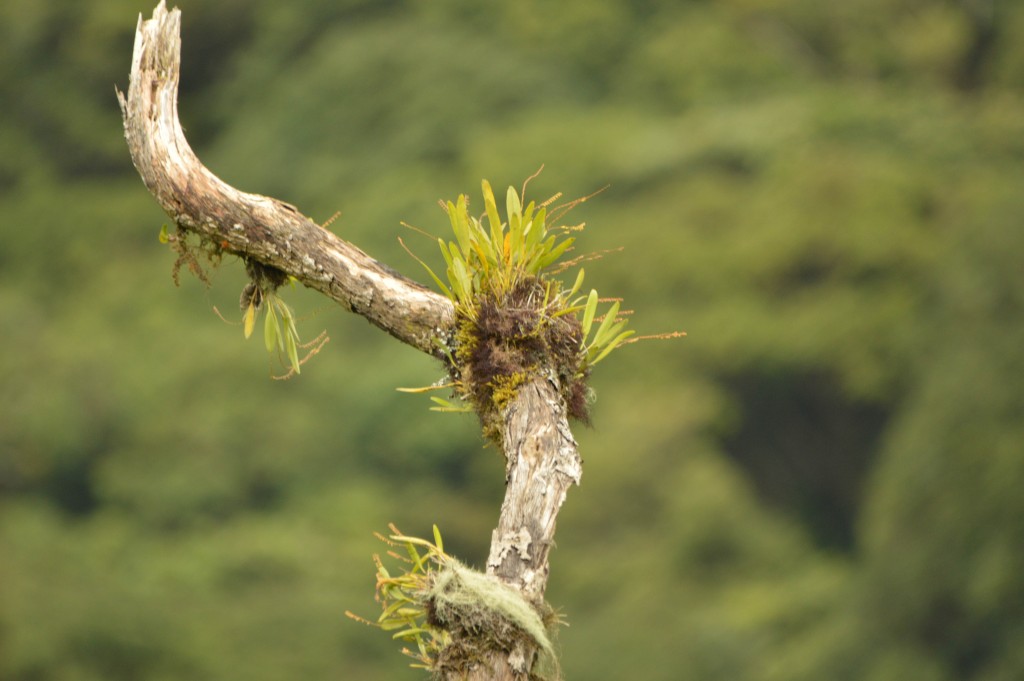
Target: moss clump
[456,617]
[507,339]
[483,615]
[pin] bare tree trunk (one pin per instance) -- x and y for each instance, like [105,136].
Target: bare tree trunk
[542,461]
[541,455]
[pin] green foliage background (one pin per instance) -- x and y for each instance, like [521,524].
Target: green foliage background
[823,481]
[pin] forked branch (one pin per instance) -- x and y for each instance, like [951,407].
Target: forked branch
[542,461]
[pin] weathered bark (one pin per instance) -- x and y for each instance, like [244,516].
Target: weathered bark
[541,456]
[257,227]
[542,462]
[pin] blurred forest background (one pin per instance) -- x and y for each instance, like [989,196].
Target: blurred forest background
[822,482]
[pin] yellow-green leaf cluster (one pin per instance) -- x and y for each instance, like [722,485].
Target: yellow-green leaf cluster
[516,316]
[403,597]
[279,332]
[492,256]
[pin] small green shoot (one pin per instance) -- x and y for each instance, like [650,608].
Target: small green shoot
[280,334]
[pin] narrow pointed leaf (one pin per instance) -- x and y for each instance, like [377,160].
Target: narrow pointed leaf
[412,631]
[437,280]
[555,253]
[588,313]
[249,320]
[437,539]
[293,352]
[271,330]
[576,286]
[492,212]
[611,346]
[607,323]
[445,252]
[512,203]
[460,225]
[464,282]
[528,211]
[537,229]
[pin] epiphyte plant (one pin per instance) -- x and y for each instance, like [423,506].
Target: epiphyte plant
[515,315]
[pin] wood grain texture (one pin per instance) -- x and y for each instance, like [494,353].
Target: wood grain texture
[256,227]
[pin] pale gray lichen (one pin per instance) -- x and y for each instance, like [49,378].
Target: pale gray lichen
[475,607]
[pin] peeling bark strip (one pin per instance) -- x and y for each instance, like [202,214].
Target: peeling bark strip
[257,227]
[542,463]
[542,460]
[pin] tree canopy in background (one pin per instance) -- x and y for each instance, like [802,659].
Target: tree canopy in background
[821,482]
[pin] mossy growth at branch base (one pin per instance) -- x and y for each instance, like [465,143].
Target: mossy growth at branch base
[511,339]
[456,616]
[516,319]
[482,614]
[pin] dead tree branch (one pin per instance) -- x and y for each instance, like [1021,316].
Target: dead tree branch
[542,461]
[257,227]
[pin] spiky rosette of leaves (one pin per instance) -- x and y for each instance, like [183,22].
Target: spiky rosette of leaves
[516,316]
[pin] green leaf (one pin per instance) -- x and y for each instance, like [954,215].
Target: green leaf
[611,346]
[483,247]
[410,632]
[528,212]
[460,224]
[289,319]
[536,230]
[512,203]
[576,286]
[462,280]
[453,212]
[415,557]
[249,319]
[445,405]
[293,352]
[163,237]
[391,610]
[555,253]
[437,539]
[515,220]
[437,280]
[440,284]
[445,252]
[391,625]
[588,313]
[272,330]
[567,310]
[492,213]
[606,325]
